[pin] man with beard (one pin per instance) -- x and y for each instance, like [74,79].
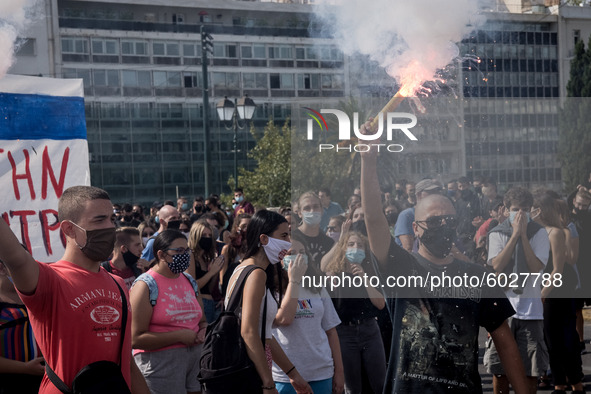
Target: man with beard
[435,330]
[126,261]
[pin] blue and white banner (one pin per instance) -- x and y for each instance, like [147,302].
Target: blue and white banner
[43,151]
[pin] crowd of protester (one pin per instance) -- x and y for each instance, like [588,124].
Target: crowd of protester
[315,339]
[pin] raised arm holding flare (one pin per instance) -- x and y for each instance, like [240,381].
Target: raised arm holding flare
[435,331]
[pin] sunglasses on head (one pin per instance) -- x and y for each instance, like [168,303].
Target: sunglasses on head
[437,221]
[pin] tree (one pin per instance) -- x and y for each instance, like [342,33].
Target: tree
[575,121]
[269,184]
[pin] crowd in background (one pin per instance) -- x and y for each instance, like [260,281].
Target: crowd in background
[348,344]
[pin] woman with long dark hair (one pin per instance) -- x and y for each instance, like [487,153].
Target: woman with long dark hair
[267,239]
[235,249]
[559,306]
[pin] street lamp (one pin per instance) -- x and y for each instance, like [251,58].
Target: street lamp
[230,113]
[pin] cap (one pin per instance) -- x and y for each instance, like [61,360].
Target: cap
[427,185]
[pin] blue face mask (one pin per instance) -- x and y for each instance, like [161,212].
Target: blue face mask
[185,207]
[354,255]
[157,220]
[290,258]
[239,199]
[234,205]
[512,215]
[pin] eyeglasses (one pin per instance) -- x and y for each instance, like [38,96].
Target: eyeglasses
[437,221]
[332,228]
[179,250]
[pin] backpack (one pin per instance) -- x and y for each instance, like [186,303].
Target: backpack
[153,286]
[225,366]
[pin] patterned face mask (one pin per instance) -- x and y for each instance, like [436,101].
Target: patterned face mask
[180,262]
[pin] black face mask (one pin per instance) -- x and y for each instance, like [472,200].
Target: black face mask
[438,241]
[198,208]
[392,218]
[205,243]
[466,193]
[399,193]
[135,215]
[359,227]
[99,243]
[173,224]
[478,190]
[130,259]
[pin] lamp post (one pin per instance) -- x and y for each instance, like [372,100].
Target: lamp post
[230,113]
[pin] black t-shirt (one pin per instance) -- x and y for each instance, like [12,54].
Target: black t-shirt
[316,247]
[435,337]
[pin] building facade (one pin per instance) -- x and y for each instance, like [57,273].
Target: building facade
[141,65]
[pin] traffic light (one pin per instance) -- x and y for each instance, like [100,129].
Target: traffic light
[206,41]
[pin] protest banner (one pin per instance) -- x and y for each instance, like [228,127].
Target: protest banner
[43,151]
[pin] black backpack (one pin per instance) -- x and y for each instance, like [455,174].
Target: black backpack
[225,365]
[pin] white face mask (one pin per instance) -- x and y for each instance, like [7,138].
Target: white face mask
[312,218]
[145,240]
[276,249]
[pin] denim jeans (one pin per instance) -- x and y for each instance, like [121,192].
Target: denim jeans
[362,347]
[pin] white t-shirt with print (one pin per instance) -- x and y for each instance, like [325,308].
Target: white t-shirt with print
[304,341]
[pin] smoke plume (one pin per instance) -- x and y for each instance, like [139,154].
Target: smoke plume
[411,40]
[15,17]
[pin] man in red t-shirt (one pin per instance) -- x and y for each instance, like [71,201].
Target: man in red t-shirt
[126,262]
[75,307]
[243,205]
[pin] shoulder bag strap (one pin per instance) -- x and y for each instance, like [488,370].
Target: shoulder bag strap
[123,316]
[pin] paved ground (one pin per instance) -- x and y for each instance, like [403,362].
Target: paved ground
[487,378]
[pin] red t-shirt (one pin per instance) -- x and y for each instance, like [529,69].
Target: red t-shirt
[76,317]
[126,274]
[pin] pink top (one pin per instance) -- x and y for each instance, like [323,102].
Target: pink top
[176,308]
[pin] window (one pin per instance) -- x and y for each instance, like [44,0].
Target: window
[106,77]
[308,81]
[105,47]
[576,36]
[165,48]
[254,80]
[178,19]
[330,81]
[226,80]
[136,78]
[193,79]
[78,73]
[192,50]
[225,50]
[138,48]
[26,47]
[282,81]
[163,79]
[75,45]
[280,52]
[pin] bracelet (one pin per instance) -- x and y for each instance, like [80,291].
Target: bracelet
[268,387]
[296,282]
[288,372]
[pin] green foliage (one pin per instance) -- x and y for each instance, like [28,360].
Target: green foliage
[270,183]
[575,121]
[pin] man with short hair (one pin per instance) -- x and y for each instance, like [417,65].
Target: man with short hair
[169,219]
[489,197]
[126,261]
[182,204]
[403,231]
[435,330]
[410,192]
[519,246]
[329,207]
[243,205]
[75,307]
[198,209]
[452,190]
[127,218]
